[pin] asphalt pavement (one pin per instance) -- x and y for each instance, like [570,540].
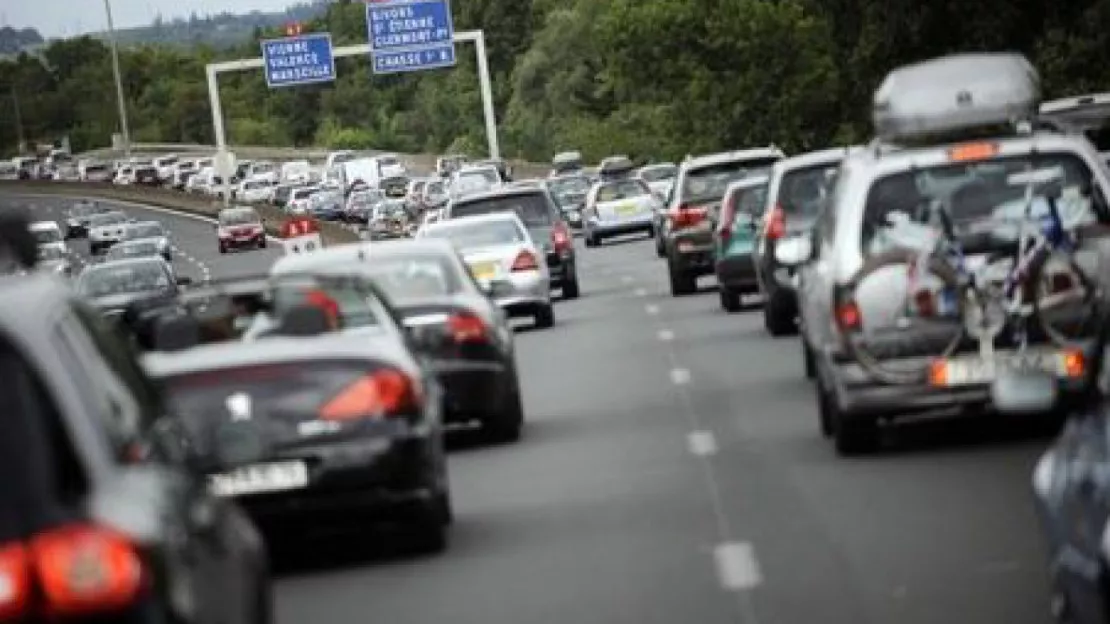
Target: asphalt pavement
[672,471]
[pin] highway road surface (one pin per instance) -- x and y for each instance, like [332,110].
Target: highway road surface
[672,471]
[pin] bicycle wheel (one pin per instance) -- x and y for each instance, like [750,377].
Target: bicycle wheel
[900,333]
[1064,298]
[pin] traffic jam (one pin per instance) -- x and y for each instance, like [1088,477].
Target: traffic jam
[191,401]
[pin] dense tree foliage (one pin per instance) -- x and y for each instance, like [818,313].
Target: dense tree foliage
[652,78]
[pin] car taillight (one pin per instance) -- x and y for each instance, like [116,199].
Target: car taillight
[83,569]
[15,581]
[382,393]
[924,303]
[685,216]
[466,327]
[848,316]
[525,261]
[560,237]
[776,223]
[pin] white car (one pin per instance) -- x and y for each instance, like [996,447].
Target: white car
[255,190]
[504,260]
[152,231]
[48,234]
[474,180]
[299,199]
[106,230]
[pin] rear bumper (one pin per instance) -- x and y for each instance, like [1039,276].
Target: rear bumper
[238,242]
[604,229]
[737,272]
[691,250]
[473,390]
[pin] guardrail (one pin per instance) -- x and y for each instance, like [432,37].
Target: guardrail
[272,218]
[421,163]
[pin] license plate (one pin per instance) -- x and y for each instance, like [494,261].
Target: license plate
[484,270]
[974,370]
[625,210]
[258,478]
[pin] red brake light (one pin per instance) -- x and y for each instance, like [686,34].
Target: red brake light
[924,303]
[685,216]
[86,569]
[848,316]
[467,328]
[776,223]
[15,581]
[386,392]
[525,261]
[560,238]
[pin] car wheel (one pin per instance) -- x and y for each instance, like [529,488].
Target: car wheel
[223,248]
[778,314]
[682,282]
[808,360]
[570,287]
[852,435]
[730,299]
[506,426]
[591,240]
[545,316]
[262,243]
[651,232]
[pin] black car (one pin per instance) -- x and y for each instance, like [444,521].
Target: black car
[542,217]
[77,218]
[132,292]
[146,175]
[465,333]
[315,412]
[569,191]
[102,516]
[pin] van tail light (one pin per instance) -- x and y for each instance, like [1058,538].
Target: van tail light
[776,223]
[381,394]
[84,569]
[848,316]
[560,237]
[465,327]
[686,216]
[525,261]
[726,234]
[15,582]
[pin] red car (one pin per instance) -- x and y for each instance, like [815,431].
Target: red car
[240,227]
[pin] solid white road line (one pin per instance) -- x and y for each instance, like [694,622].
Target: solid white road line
[666,335]
[652,309]
[641,292]
[680,376]
[702,443]
[737,566]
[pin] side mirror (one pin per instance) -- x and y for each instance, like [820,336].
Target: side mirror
[794,252]
[1024,393]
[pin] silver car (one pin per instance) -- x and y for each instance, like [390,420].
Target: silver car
[874,201]
[504,260]
[53,259]
[152,231]
[105,230]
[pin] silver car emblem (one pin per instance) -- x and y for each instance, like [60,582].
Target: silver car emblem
[239,406]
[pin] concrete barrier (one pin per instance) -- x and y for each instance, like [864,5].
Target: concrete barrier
[167,199]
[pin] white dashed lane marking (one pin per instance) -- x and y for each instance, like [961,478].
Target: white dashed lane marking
[666,335]
[737,566]
[702,443]
[641,292]
[652,309]
[205,273]
[680,376]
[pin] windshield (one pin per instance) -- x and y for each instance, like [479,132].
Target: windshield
[133,250]
[388,161]
[146,230]
[706,184]
[433,189]
[568,185]
[415,277]
[47,236]
[802,192]
[106,219]
[750,201]
[532,208]
[121,279]
[305,193]
[476,235]
[51,253]
[624,189]
[490,176]
[658,174]
[239,217]
[979,196]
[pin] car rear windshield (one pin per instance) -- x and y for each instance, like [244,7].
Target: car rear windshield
[479,234]
[47,236]
[147,230]
[802,191]
[230,414]
[133,250]
[532,208]
[655,174]
[621,190]
[749,200]
[106,280]
[416,276]
[568,184]
[707,184]
[238,217]
[981,197]
[106,219]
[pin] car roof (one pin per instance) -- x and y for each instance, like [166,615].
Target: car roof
[40,226]
[818,158]
[709,160]
[504,191]
[127,261]
[372,344]
[490,217]
[136,242]
[237,210]
[343,256]
[662,165]
[748,183]
[145,223]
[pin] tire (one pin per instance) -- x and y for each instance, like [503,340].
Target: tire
[505,427]
[262,243]
[852,435]
[223,248]
[590,240]
[825,410]
[429,532]
[570,287]
[1090,323]
[778,314]
[545,317]
[730,299]
[808,360]
[660,247]
[682,282]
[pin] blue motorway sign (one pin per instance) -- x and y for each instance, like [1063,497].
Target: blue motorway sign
[410,35]
[429,57]
[304,59]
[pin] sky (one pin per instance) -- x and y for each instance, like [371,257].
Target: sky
[65,18]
